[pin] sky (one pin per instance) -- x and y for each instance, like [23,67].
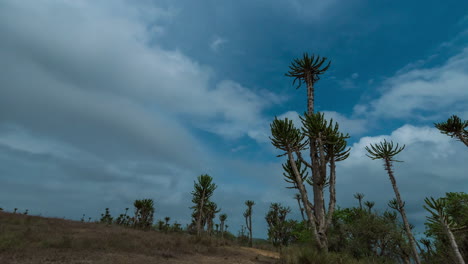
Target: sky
[105,102]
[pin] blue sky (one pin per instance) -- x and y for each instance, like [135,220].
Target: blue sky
[102,103]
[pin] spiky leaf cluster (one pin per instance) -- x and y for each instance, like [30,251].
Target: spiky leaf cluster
[286,137]
[248,211]
[454,127]
[311,66]
[438,217]
[317,128]
[384,150]
[203,188]
[369,205]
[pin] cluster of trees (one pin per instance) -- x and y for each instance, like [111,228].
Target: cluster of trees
[205,210]
[326,145]
[142,219]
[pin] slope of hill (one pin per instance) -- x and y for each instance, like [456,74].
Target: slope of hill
[34,239]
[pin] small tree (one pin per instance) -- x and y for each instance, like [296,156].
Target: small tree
[144,213]
[386,151]
[204,189]
[369,205]
[222,219]
[248,219]
[279,229]
[106,218]
[359,197]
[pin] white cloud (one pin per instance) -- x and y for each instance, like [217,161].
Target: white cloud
[113,58]
[424,94]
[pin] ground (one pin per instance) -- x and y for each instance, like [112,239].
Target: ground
[33,239]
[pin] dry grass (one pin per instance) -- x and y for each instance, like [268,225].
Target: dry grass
[33,239]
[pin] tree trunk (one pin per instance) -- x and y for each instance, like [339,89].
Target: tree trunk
[200,210]
[454,245]
[222,229]
[388,167]
[250,229]
[332,202]
[305,199]
[319,204]
[461,137]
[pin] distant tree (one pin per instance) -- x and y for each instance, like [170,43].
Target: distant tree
[369,205]
[279,229]
[385,151]
[166,223]
[454,127]
[222,219]
[160,224]
[106,218]
[359,197]
[248,218]
[144,213]
[123,219]
[203,190]
[211,209]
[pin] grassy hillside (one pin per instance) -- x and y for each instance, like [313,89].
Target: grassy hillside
[34,239]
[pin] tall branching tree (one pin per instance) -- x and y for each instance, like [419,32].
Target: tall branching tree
[440,218]
[203,190]
[248,218]
[330,147]
[325,143]
[386,151]
[455,128]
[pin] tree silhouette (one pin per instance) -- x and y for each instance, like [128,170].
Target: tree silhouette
[369,205]
[386,151]
[144,213]
[359,197]
[454,127]
[222,219]
[326,146]
[248,218]
[203,190]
